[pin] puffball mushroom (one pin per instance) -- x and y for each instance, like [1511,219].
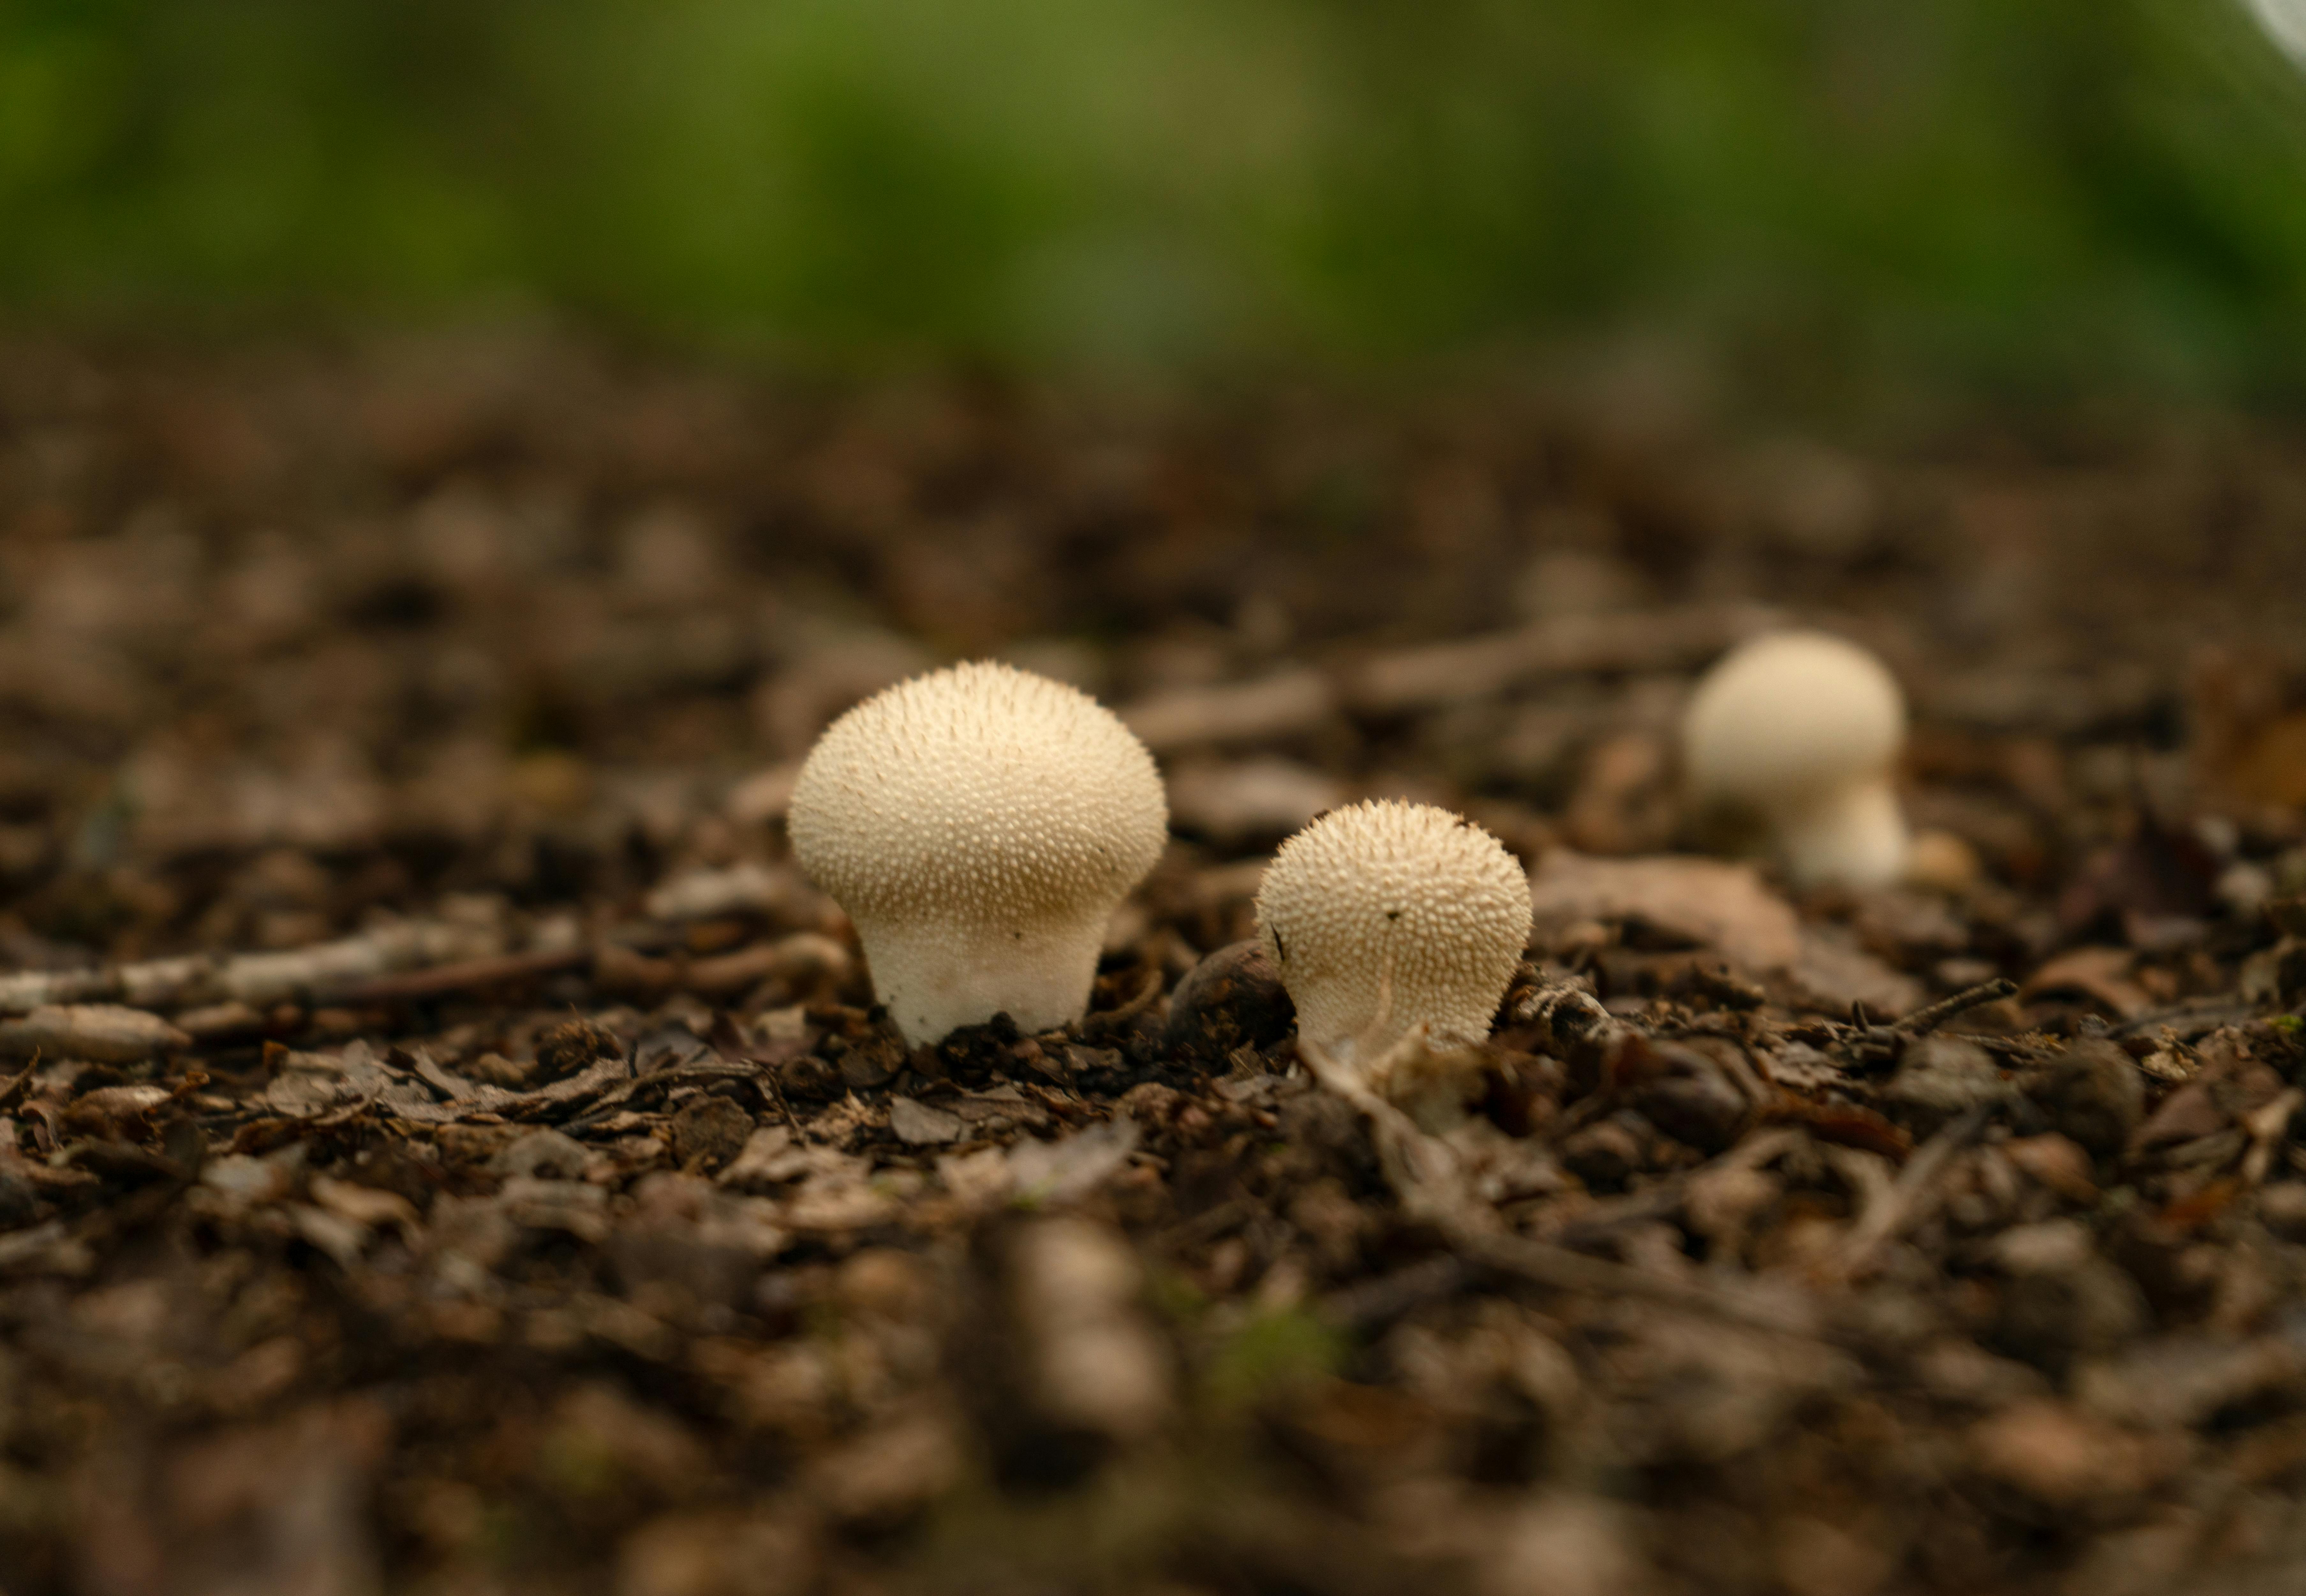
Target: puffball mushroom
[979,824]
[1385,917]
[1803,729]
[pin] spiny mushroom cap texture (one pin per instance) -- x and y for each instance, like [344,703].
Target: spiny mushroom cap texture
[1787,716]
[981,796]
[1385,915]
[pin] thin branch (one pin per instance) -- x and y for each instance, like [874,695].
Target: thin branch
[470,975]
[1429,1181]
[15,1088]
[1921,1023]
[1906,1202]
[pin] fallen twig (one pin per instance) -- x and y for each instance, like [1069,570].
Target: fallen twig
[1904,1204]
[1868,1045]
[1921,1023]
[323,970]
[1281,706]
[1375,1303]
[1558,1268]
[1431,1184]
[1441,673]
[470,975]
[14,1089]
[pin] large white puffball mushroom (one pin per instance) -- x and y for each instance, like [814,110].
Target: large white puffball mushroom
[1804,730]
[1384,917]
[979,824]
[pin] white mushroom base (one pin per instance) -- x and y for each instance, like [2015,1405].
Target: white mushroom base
[1373,1045]
[1853,837]
[934,980]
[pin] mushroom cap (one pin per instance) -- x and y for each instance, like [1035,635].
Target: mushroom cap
[982,795]
[1789,715]
[1384,915]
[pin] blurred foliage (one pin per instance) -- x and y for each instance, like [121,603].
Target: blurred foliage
[2060,191]
[1272,1353]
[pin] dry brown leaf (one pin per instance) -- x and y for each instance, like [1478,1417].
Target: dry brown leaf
[1698,902]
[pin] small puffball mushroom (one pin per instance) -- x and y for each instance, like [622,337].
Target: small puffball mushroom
[979,824]
[1384,918]
[1803,729]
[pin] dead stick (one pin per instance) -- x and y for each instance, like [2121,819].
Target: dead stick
[1886,1220]
[1431,1184]
[1558,1268]
[1923,1021]
[1375,1303]
[445,979]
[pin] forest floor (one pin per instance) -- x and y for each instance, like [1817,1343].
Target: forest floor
[446,1144]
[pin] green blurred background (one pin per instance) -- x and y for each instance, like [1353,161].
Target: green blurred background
[2030,196]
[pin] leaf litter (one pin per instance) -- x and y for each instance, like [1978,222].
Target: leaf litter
[445,1146]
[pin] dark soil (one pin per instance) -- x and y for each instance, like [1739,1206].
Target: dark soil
[445,1146]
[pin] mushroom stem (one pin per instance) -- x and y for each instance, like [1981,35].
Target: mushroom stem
[1855,835]
[934,977]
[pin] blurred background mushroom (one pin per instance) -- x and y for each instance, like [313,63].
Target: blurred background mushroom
[1803,731]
